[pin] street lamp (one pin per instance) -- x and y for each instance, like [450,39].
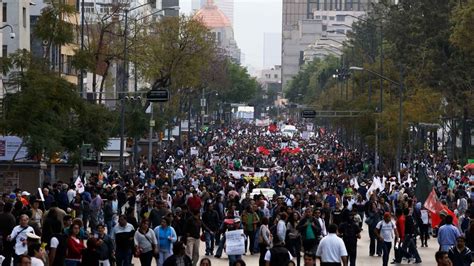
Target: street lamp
[381,56]
[12,34]
[126,76]
[400,112]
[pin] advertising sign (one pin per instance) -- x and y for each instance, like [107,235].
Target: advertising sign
[9,146]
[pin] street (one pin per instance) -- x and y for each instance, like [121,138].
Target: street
[363,258]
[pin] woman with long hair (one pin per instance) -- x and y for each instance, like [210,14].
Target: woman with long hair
[293,242]
[264,240]
[145,243]
[74,246]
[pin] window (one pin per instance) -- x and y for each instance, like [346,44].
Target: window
[331,18]
[341,18]
[318,17]
[325,17]
[4,50]
[339,31]
[4,19]
[24,17]
[275,76]
[325,27]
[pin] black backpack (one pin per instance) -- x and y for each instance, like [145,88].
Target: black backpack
[279,256]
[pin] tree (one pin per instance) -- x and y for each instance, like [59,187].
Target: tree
[54,26]
[241,88]
[49,115]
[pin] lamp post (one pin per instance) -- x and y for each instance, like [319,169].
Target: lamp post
[381,57]
[126,76]
[400,111]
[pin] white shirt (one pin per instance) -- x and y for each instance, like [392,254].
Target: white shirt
[19,236]
[331,249]
[71,194]
[281,230]
[323,226]
[386,230]
[36,262]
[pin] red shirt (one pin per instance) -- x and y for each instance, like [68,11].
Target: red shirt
[194,203]
[74,249]
[401,227]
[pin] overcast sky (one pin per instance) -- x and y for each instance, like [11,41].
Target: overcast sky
[252,19]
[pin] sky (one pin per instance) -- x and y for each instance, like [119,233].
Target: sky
[252,19]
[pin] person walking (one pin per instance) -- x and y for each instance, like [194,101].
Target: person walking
[294,237]
[105,246]
[460,255]
[349,230]
[409,242]
[210,224]
[192,230]
[123,235]
[18,237]
[447,234]
[166,236]
[310,231]
[250,220]
[332,250]
[278,254]
[145,242]
[386,232]
[264,240]
[75,246]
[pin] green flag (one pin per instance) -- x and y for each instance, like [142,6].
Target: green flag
[423,185]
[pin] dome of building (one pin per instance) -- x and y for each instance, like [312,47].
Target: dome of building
[212,16]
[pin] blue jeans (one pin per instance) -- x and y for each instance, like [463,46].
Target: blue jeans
[209,242]
[164,254]
[123,257]
[71,262]
[220,248]
[110,225]
[233,258]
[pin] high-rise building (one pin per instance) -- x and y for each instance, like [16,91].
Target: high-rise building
[331,18]
[271,49]
[226,6]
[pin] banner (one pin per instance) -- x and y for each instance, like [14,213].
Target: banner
[238,174]
[235,242]
[9,146]
[194,151]
[79,185]
[262,122]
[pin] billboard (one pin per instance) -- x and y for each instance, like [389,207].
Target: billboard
[9,146]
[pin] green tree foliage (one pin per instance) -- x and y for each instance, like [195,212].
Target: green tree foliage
[55,24]
[48,113]
[241,87]
[173,51]
[462,19]
[312,80]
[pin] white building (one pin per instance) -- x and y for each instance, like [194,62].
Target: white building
[17,14]
[221,27]
[294,43]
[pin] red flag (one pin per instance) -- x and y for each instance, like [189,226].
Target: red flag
[435,206]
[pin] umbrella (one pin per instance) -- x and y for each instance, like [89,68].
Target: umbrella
[469,166]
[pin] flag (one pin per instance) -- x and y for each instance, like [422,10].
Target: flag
[435,207]
[423,186]
[79,185]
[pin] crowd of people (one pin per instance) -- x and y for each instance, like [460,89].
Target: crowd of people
[324,196]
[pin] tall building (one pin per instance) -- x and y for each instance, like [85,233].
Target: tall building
[15,13]
[271,49]
[329,15]
[226,6]
[221,27]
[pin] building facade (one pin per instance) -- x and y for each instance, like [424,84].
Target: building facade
[332,20]
[226,6]
[221,27]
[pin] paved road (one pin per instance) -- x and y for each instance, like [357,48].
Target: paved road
[363,258]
